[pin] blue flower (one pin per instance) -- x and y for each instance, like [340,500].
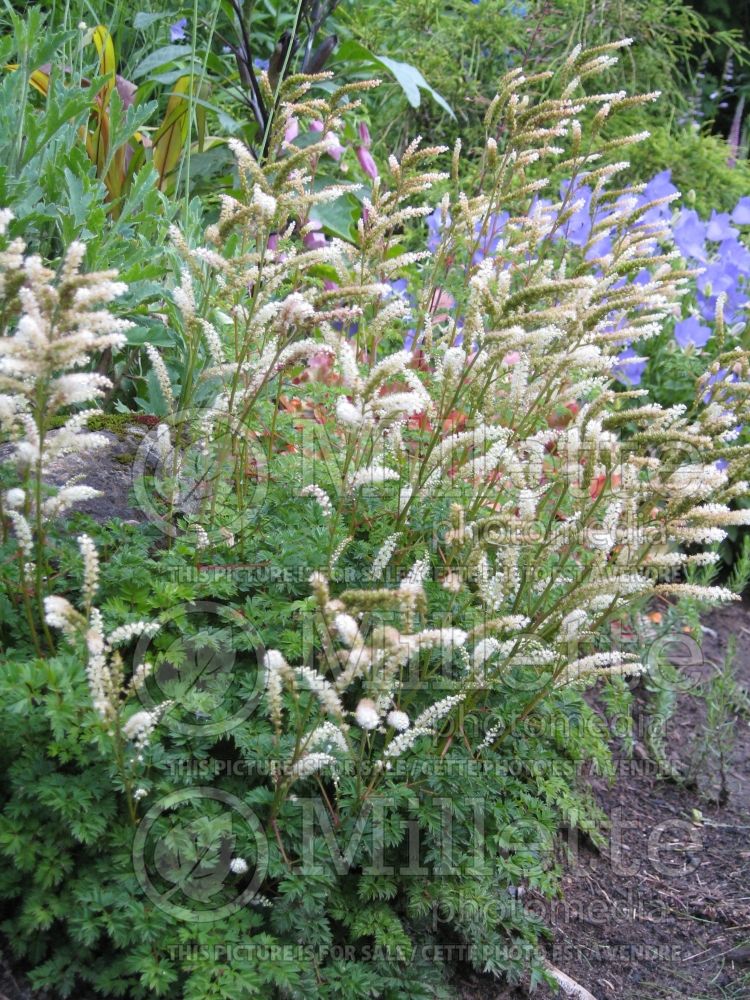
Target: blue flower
[628,370]
[720,382]
[660,186]
[719,227]
[735,253]
[724,274]
[578,227]
[434,225]
[690,235]
[177,30]
[691,331]
[719,276]
[741,213]
[490,238]
[601,248]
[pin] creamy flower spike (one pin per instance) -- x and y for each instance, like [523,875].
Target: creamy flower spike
[55,324]
[105,669]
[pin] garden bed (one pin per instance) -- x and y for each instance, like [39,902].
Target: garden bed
[413,466]
[633,923]
[632,926]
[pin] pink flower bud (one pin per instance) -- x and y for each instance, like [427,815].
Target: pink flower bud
[292,130]
[335,149]
[316,126]
[364,135]
[314,238]
[366,162]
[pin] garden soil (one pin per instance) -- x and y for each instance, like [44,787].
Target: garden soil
[664,912]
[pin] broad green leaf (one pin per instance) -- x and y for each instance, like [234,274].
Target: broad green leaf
[144,19]
[409,78]
[169,77]
[158,334]
[412,81]
[160,57]
[338,217]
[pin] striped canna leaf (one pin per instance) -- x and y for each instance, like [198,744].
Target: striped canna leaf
[171,136]
[107,60]
[98,138]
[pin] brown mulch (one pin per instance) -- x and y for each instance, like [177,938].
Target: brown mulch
[664,912]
